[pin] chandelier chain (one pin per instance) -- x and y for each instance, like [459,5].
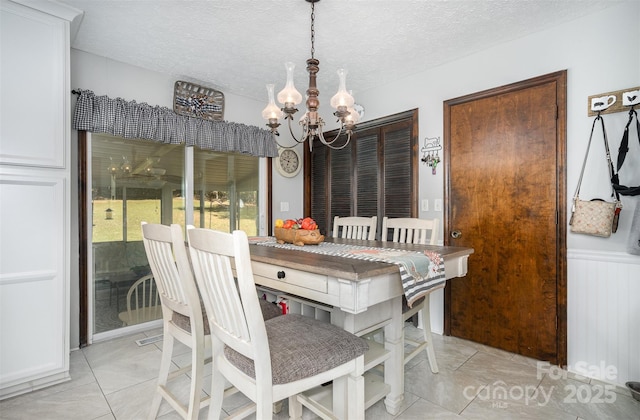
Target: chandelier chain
[313,29]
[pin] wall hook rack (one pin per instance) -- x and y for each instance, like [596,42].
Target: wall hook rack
[612,102]
[430,152]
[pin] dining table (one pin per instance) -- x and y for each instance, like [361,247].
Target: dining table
[362,296]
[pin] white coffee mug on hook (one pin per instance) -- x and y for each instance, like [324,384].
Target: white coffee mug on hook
[602,103]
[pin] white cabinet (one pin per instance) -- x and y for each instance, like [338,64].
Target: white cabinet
[34,194]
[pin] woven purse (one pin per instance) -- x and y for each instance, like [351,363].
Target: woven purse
[593,217]
[596,217]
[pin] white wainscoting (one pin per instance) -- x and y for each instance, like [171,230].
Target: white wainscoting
[603,310]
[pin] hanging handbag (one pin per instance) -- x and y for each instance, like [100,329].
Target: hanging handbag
[596,217]
[633,242]
[622,154]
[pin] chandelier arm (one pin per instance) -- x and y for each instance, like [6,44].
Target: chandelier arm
[304,134]
[283,146]
[334,138]
[297,142]
[330,143]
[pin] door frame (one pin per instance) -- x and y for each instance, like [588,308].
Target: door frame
[560,79]
[83,250]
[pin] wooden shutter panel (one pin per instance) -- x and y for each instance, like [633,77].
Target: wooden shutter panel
[340,186]
[319,189]
[397,171]
[367,174]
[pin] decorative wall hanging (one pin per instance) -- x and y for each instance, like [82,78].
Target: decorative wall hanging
[430,152]
[198,101]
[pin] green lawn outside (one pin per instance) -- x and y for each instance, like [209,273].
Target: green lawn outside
[111,230]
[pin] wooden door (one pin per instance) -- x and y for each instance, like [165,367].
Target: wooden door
[505,194]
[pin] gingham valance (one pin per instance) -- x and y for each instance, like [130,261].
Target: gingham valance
[128,119]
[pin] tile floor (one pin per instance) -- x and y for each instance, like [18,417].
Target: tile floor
[115,379]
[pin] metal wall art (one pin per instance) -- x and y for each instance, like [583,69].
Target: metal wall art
[430,152]
[198,101]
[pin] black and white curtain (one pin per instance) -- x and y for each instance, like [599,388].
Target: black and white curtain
[131,120]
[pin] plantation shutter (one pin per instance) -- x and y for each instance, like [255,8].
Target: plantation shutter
[375,175]
[340,169]
[318,188]
[367,174]
[397,171]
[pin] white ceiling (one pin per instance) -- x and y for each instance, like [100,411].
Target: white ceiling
[237,46]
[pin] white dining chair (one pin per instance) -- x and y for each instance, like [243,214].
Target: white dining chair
[275,359]
[182,316]
[143,302]
[415,231]
[354,227]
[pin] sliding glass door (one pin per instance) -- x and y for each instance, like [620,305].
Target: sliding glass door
[137,180]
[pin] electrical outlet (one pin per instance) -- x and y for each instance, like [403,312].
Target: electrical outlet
[425,205]
[437,205]
[284,206]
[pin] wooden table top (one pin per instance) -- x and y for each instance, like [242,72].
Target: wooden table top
[342,267]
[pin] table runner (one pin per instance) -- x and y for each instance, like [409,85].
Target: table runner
[420,272]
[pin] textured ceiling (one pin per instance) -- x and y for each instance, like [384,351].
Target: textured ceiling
[237,46]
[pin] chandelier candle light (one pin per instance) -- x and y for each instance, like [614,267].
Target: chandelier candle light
[312,124]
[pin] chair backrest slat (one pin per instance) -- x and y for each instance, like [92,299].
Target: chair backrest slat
[232,305]
[355,227]
[171,269]
[168,277]
[216,289]
[411,230]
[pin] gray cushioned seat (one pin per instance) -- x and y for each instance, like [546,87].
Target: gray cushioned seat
[301,347]
[269,310]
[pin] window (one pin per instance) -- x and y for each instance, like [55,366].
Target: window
[134,181]
[375,175]
[226,191]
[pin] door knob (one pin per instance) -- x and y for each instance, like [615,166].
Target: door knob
[455,234]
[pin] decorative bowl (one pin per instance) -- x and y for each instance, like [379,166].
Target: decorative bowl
[298,237]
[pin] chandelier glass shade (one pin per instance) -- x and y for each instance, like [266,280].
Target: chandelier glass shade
[311,122]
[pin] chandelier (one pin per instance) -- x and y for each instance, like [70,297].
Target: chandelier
[312,124]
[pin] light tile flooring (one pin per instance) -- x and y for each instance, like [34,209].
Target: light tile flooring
[115,379]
